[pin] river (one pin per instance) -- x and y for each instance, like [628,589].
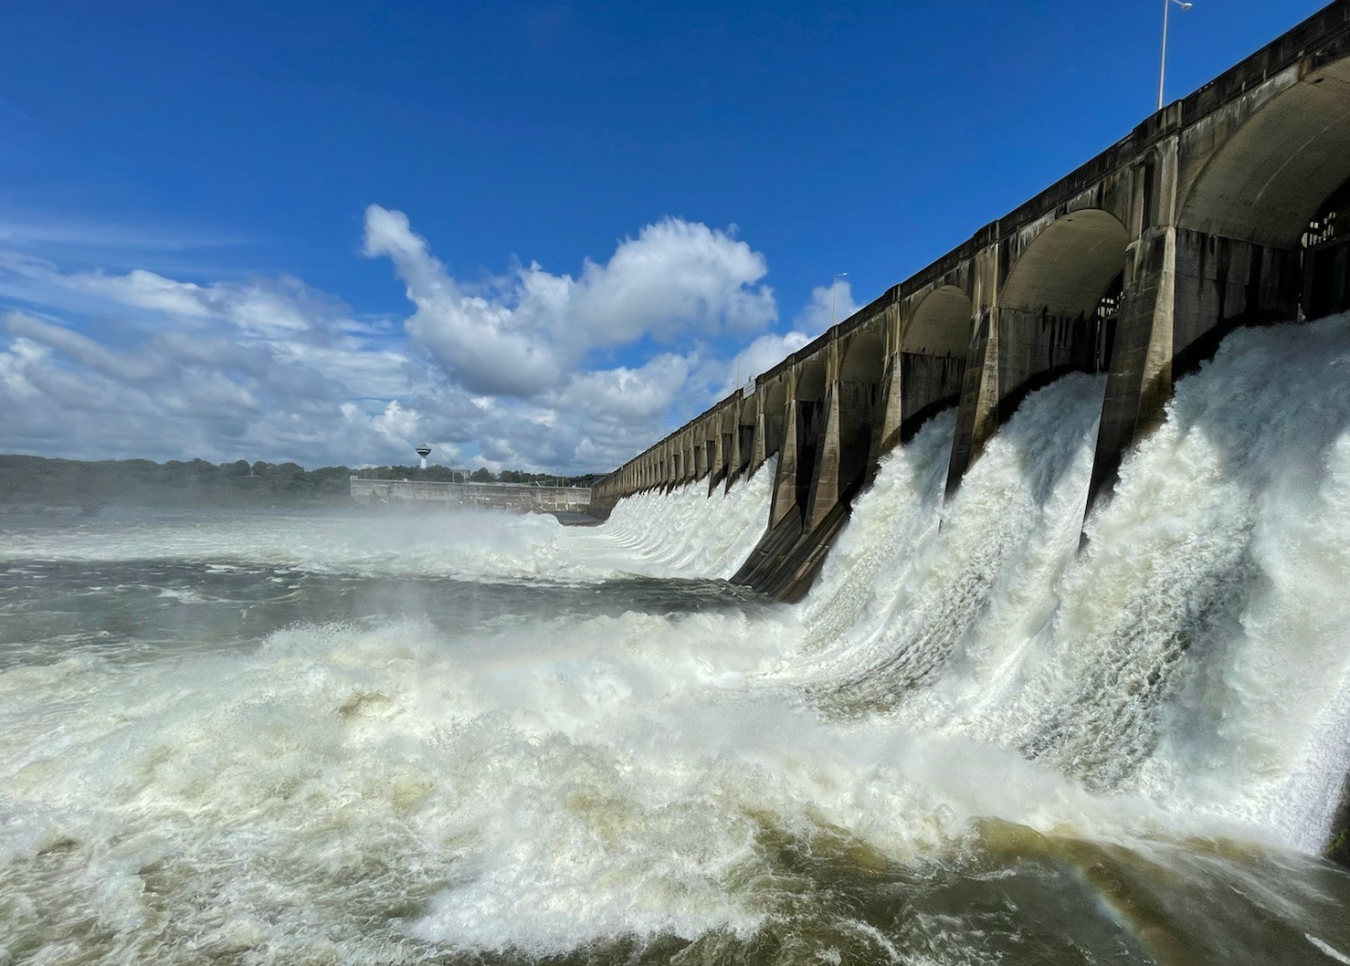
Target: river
[469,737]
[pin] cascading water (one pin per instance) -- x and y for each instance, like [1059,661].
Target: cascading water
[484,739]
[688,532]
[1196,652]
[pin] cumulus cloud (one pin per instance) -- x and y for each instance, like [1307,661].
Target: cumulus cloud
[164,395]
[529,369]
[767,350]
[827,302]
[624,395]
[526,332]
[760,356]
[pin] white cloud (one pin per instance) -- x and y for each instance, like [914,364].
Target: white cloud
[527,332]
[826,303]
[516,372]
[258,308]
[625,395]
[769,349]
[760,356]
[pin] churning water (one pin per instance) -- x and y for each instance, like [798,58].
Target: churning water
[474,738]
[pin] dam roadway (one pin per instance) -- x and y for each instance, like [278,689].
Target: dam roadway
[1230,207]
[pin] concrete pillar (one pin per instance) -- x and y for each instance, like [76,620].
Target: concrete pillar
[717,470]
[892,409]
[825,475]
[734,465]
[758,446]
[1184,292]
[785,480]
[977,418]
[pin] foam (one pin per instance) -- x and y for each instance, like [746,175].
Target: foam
[371,794]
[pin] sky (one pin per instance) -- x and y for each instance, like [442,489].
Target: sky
[534,235]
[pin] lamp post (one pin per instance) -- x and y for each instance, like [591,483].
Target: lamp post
[834,288]
[1162,69]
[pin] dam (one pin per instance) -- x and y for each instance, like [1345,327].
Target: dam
[1226,209]
[562,501]
[1007,625]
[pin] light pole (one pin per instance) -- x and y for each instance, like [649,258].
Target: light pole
[834,288]
[1162,69]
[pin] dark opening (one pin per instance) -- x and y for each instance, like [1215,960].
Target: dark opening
[1107,319]
[857,418]
[1326,258]
[747,445]
[810,428]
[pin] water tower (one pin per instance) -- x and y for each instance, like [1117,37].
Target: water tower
[423,451]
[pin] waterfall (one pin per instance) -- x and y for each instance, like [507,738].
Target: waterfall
[483,738]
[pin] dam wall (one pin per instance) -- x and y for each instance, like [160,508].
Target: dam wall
[515,497]
[1228,208]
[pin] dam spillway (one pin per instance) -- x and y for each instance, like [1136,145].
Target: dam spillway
[1230,207]
[974,738]
[475,737]
[1191,654]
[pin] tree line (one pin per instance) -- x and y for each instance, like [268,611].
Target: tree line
[39,480]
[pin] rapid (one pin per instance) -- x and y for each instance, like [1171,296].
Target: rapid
[269,737]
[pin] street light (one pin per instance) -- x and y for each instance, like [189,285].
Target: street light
[834,287]
[1162,69]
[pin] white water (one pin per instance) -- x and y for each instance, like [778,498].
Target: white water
[368,795]
[685,533]
[1198,654]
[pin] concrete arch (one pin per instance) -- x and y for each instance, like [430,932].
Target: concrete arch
[927,376]
[1068,266]
[864,358]
[810,380]
[775,397]
[1046,325]
[1272,175]
[940,325]
[749,408]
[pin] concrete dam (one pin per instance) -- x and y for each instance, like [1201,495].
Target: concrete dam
[563,501]
[1226,209]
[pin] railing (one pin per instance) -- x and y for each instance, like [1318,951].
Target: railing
[1326,228]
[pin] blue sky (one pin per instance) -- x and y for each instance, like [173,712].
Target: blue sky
[536,235]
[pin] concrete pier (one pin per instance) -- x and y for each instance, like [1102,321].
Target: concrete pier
[1228,208]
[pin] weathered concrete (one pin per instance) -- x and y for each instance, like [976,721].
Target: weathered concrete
[1228,208]
[1224,209]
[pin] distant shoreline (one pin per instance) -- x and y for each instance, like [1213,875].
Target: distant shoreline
[38,485]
